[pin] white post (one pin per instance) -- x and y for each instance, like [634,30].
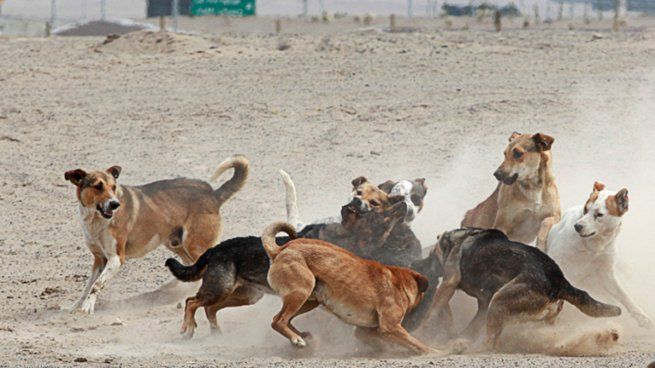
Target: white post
[321,6]
[305,7]
[410,10]
[176,14]
[103,9]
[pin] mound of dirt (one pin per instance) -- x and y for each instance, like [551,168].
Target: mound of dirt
[155,42]
[98,28]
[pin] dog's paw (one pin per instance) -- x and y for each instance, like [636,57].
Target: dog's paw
[643,321]
[86,308]
[607,338]
[298,341]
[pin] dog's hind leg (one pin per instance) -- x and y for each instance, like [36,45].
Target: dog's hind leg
[218,285]
[514,299]
[307,307]
[243,295]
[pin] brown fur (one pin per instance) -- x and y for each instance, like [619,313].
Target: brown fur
[520,203]
[182,214]
[307,273]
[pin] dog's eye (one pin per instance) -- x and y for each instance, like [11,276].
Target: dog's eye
[359,192]
[518,154]
[375,203]
[598,214]
[98,186]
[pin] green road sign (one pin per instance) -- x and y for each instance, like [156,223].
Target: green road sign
[237,8]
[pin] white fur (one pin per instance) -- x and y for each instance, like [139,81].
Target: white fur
[404,188]
[101,243]
[588,257]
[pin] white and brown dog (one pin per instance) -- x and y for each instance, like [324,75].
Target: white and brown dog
[121,222]
[583,243]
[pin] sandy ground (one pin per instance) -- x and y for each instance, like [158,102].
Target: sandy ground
[437,104]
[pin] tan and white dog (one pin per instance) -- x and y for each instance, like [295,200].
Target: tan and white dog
[526,194]
[583,243]
[121,222]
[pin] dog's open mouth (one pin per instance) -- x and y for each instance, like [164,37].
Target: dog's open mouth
[105,213]
[510,179]
[587,235]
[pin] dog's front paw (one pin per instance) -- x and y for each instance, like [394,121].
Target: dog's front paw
[298,341]
[87,307]
[643,321]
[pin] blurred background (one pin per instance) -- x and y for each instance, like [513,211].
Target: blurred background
[29,17]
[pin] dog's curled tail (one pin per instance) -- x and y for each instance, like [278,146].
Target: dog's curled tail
[240,164]
[588,305]
[293,215]
[268,237]
[189,273]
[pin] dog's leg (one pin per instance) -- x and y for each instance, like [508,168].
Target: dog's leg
[307,307]
[390,328]
[243,295]
[98,266]
[615,289]
[111,268]
[291,304]
[511,300]
[544,229]
[370,337]
[189,325]
[471,331]
[447,288]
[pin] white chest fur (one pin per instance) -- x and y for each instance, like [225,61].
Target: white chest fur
[96,232]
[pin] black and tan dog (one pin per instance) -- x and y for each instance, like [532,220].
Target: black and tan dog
[121,222]
[526,194]
[234,271]
[307,273]
[508,279]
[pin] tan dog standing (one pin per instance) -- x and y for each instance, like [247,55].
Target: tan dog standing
[526,194]
[122,222]
[307,273]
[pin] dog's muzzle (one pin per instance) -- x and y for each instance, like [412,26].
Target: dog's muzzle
[505,178]
[349,215]
[579,229]
[108,208]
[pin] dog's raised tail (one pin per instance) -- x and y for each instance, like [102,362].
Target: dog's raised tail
[268,237]
[240,164]
[588,305]
[293,215]
[189,273]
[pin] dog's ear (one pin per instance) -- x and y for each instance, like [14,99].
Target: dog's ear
[513,136]
[622,201]
[387,186]
[543,142]
[75,176]
[115,171]
[359,181]
[421,182]
[598,186]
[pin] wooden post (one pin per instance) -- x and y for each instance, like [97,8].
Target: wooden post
[278,26]
[497,16]
[392,23]
[536,13]
[560,10]
[586,12]
[48,29]
[162,23]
